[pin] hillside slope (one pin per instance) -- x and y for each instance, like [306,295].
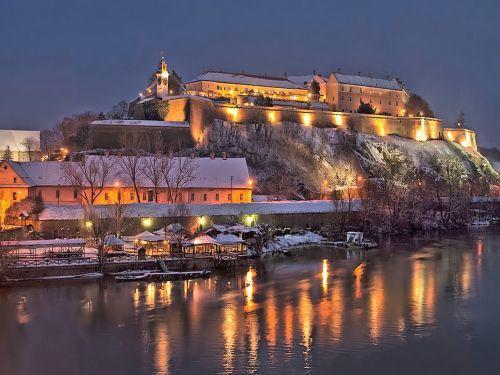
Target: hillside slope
[299,162]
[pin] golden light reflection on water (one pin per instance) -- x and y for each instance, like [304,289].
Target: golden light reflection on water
[324,277]
[306,316]
[22,316]
[358,275]
[271,319]
[423,292]
[288,320]
[151,295]
[249,288]
[376,306]
[229,332]
[162,349]
[466,274]
[166,293]
[337,308]
[252,326]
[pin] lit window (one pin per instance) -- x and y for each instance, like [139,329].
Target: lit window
[241,197]
[106,196]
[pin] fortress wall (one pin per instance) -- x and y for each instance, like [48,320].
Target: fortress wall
[202,111]
[464,137]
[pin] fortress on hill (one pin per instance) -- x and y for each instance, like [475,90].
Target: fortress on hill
[181,111]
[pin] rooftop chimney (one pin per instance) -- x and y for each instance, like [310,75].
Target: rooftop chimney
[359,73]
[314,71]
[224,156]
[212,155]
[370,75]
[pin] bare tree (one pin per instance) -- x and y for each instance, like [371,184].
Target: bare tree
[89,176]
[50,141]
[30,144]
[98,227]
[130,161]
[178,173]
[151,168]
[182,213]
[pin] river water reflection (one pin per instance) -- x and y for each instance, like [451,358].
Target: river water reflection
[423,305]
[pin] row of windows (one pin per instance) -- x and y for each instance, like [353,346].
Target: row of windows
[149,196]
[369,91]
[396,104]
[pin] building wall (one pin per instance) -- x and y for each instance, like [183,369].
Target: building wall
[113,195]
[228,90]
[347,98]
[56,194]
[111,137]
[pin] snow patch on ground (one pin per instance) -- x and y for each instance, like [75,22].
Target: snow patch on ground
[280,243]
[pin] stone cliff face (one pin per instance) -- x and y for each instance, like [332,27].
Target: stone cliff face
[296,161]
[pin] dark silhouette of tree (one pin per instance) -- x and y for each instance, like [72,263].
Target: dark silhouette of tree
[460,123]
[366,108]
[118,111]
[417,105]
[263,101]
[315,89]
[7,154]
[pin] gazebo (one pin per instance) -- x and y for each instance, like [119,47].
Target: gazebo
[154,244]
[113,244]
[201,244]
[229,243]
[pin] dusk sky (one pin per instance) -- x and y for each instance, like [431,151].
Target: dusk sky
[62,57]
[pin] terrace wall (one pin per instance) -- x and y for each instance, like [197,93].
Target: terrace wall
[202,111]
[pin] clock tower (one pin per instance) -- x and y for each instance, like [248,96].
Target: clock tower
[162,80]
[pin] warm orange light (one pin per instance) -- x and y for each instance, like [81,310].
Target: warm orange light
[306,119]
[250,182]
[117,184]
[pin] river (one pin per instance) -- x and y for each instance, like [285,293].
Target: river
[421,305]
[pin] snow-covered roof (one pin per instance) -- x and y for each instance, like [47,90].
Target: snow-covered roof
[389,84]
[201,240]
[168,124]
[148,237]
[248,79]
[39,173]
[112,240]
[207,172]
[170,228]
[14,138]
[228,239]
[299,80]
